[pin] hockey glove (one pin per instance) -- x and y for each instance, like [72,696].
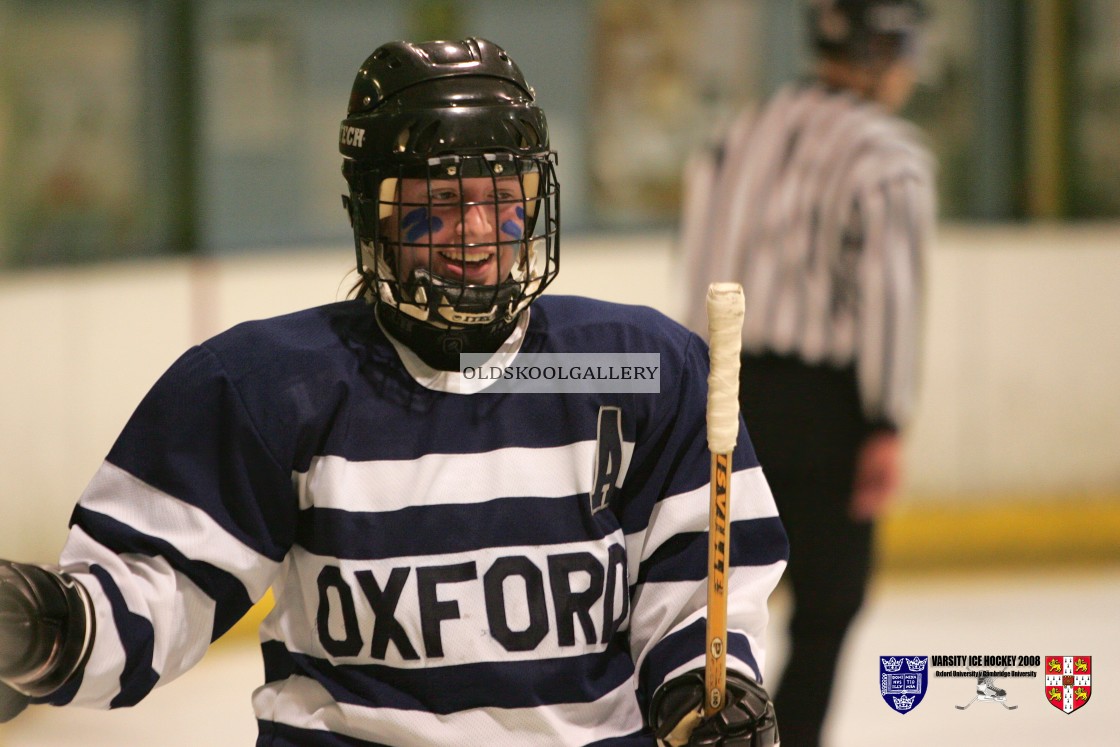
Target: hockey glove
[12,703]
[747,719]
[46,633]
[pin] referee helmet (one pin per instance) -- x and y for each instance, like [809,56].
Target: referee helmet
[866,30]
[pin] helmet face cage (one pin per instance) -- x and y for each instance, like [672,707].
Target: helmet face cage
[464,240]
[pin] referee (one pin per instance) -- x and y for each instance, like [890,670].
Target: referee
[821,202]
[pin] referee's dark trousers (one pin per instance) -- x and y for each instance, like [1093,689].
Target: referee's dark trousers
[806,425]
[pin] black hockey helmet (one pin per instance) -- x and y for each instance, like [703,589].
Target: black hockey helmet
[866,30]
[459,119]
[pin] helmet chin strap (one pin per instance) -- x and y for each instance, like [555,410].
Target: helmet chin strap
[440,348]
[441,302]
[439,319]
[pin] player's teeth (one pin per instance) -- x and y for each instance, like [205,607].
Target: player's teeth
[468,257]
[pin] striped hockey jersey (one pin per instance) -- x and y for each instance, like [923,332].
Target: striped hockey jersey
[449,568]
[823,205]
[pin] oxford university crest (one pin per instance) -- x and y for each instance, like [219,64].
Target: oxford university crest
[903,681]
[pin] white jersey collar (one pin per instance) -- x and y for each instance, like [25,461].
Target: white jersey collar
[453,382]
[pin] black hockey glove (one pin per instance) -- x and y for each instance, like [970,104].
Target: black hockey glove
[747,719]
[46,633]
[12,703]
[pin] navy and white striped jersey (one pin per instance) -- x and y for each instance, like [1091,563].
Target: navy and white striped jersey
[445,570]
[823,206]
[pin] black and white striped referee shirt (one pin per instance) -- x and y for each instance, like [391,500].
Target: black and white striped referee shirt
[823,206]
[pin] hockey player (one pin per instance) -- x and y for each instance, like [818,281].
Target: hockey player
[449,566]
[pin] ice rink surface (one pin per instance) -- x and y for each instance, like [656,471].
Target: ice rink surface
[1041,613]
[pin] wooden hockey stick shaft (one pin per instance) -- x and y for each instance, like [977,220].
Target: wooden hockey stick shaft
[725,306]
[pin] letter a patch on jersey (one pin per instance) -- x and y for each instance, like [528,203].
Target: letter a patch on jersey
[608,457]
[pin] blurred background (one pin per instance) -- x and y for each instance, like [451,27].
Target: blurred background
[169,168]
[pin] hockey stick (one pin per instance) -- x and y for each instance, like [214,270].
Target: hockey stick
[974,700]
[725,329]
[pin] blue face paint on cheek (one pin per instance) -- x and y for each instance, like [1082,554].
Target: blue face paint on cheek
[515,228]
[417,223]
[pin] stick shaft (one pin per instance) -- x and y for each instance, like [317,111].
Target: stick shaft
[715,663]
[725,305]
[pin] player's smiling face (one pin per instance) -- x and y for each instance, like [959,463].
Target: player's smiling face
[468,231]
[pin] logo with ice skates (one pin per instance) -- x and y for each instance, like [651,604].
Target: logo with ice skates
[903,681]
[987,691]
